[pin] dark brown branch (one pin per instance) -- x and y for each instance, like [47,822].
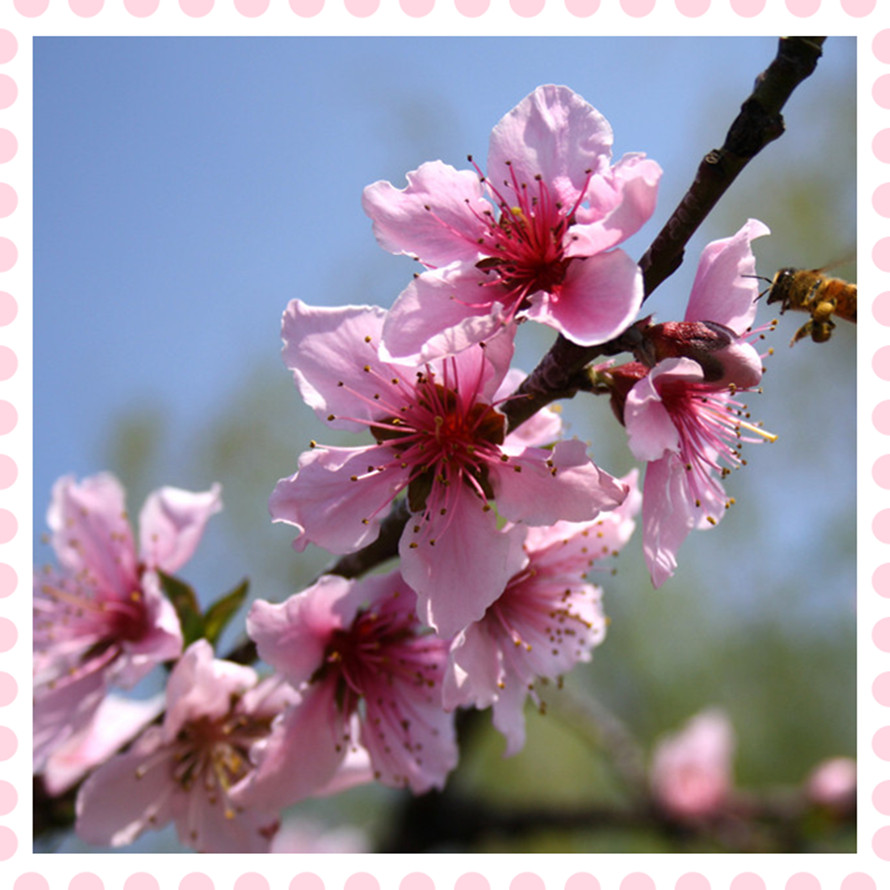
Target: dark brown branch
[758,123]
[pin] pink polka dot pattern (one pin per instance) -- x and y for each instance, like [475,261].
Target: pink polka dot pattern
[86,8]
[880,743]
[880,308]
[8,46]
[8,843]
[638,8]
[8,254]
[141,881]
[881,363]
[251,881]
[251,8]
[881,471]
[8,146]
[417,8]
[141,8]
[31,8]
[8,635]
[8,526]
[747,881]
[471,8]
[881,635]
[881,798]
[858,881]
[582,8]
[8,743]
[637,881]
[362,8]
[417,881]
[527,8]
[582,881]
[880,92]
[86,880]
[692,881]
[306,881]
[747,8]
[527,881]
[802,8]
[196,8]
[880,199]
[802,881]
[196,881]
[361,881]
[472,881]
[880,417]
[881,690]
[8,689]
[880,145]
[8,798]
[30,881]
[8,91]
[858,8]
[693,8]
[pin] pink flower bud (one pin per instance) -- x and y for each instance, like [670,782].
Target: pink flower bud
[832,784]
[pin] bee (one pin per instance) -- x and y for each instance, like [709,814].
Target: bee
[809,290]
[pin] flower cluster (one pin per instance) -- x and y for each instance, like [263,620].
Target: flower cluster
[491,595]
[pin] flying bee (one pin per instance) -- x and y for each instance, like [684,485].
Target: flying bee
[809,290]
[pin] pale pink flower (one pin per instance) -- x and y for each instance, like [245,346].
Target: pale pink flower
[691,772]
[117,721]
[187,770]
[832,784]
[368,677]
[101,619]
[533,238]
[682,416]
[440,438]
[548,619]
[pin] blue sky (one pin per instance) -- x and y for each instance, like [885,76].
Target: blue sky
[186,189]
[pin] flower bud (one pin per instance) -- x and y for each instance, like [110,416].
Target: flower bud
[725,359]
[621,380]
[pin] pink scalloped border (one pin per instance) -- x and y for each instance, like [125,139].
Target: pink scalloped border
[867,870]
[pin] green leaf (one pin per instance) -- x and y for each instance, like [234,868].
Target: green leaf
[220,613]
[186,604]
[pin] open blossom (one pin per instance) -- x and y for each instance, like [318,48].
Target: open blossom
[101,618]
[368,677]
[187,770]
[533,238]
[691,772]
[438,437]
[682,415]
[547,619]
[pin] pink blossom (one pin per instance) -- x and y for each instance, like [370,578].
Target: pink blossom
[440,438]
[101,619]
[691,774]
[832,784]
[547,619]
[682,416]
[532,239]
[368,677]
[188,769]
[117,721]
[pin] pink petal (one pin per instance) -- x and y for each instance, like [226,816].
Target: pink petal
[725,289]
[439,313]
[418,755]
[201,686]
[303,753]
[436,217]
[171,525]
[668,516]
[116,721]
[328,507]
[160,642]
[465,570]
[553,133]
[128,794]
[599,298]
[474,669]
[621,201]
[328,349]
[508,715]
[292,636]
[650,427]
[91,534]
[551,485]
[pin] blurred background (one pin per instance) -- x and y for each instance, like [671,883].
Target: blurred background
[186,189]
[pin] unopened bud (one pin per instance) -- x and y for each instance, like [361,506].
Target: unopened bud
[725,359]
[622,380]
